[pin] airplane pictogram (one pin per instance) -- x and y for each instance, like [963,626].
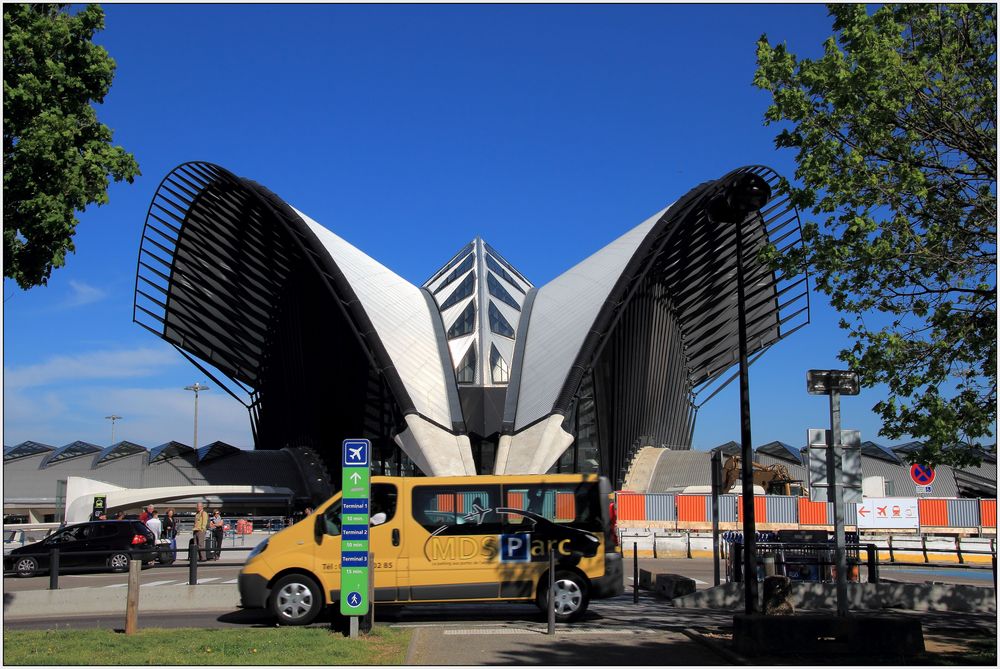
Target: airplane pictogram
[478,514]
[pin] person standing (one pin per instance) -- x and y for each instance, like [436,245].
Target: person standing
[200,526]
[155,525]
[218,532]
[145,515]
[170,531]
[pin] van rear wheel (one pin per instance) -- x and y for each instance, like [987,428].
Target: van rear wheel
[295,600]
[571,596]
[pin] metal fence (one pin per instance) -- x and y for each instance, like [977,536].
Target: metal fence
[695,510]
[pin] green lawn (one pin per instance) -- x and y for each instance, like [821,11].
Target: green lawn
[279,646]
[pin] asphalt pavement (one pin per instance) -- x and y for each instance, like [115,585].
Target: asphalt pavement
[614,631]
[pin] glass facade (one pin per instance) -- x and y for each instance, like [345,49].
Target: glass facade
[498,366]
[502,273]
[459,271]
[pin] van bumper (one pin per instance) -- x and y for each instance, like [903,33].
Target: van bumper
[253,591]
[612,583]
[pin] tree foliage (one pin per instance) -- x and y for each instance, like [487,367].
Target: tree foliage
[895,133]
[57,156]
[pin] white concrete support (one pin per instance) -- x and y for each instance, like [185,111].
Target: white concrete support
[534,450]
[435,451]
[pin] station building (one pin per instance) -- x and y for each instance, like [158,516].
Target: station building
[477,370]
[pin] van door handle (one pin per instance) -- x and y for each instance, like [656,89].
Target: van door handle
[395,536]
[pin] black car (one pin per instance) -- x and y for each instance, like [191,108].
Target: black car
[99,543]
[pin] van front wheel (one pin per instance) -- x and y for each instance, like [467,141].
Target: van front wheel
[296,600]
[571,596]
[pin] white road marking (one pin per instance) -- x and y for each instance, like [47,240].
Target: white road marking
[153,583]
[206,580]
[232,580]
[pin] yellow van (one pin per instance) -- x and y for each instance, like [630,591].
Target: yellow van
[450,539]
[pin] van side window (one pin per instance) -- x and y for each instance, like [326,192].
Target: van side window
[383,500]
[461,509]
[563,503]
[331,520]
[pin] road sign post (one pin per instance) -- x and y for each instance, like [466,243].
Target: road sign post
[354,564]
[834,383]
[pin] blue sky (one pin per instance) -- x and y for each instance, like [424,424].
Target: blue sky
[408,131]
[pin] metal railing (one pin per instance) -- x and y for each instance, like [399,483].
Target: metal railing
[804,562]
[155,555]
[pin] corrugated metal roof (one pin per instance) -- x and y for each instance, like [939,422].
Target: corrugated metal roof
[678,469]
[26,480]
[563,313]
[898,481]
[401,318]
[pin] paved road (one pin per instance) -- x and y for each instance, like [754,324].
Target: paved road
[210,572]
[701,570]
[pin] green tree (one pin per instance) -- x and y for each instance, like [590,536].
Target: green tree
[895,133]
[57,156]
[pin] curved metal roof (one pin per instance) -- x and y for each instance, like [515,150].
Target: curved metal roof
[219,255]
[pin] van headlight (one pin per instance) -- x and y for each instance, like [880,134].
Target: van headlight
[257,550]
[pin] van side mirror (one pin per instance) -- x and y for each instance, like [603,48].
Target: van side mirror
[377,519]
[318,528]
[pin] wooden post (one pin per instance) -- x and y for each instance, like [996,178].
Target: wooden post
[132,602]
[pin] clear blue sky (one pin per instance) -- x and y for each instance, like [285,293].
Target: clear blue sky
[547,130]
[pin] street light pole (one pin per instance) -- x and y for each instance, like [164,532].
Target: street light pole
[197,388]
[744,195]
[113,418]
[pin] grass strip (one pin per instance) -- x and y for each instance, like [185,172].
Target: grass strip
[194,646]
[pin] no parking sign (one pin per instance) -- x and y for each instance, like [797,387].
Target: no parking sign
[922,474]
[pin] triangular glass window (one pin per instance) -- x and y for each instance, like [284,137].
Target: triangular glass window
[502,273]
[498,323]
[465,323]
[498,366]
[463,291]
[459,271]
[466,372]
[499,292]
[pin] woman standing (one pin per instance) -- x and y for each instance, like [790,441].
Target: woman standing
[170,531]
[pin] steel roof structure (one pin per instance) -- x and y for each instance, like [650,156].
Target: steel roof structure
[477,370]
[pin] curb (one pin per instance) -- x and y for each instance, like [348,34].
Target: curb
[730,656]
[411,650]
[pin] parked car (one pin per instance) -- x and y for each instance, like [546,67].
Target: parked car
[16,538]
[101,543]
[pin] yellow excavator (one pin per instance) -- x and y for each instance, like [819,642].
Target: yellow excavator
[774,479]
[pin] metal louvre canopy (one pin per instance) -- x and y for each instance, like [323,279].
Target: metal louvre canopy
[72,450]
[232,277]
[668,330]
[693,257]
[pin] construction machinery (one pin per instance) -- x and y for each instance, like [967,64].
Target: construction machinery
[774,478]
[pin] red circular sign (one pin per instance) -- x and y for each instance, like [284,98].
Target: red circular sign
[922,474]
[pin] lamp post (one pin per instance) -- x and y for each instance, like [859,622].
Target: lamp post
[835,382]
[744,195]
[113,418]
[197,388]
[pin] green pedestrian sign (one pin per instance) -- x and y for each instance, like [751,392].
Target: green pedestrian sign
[356,492]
